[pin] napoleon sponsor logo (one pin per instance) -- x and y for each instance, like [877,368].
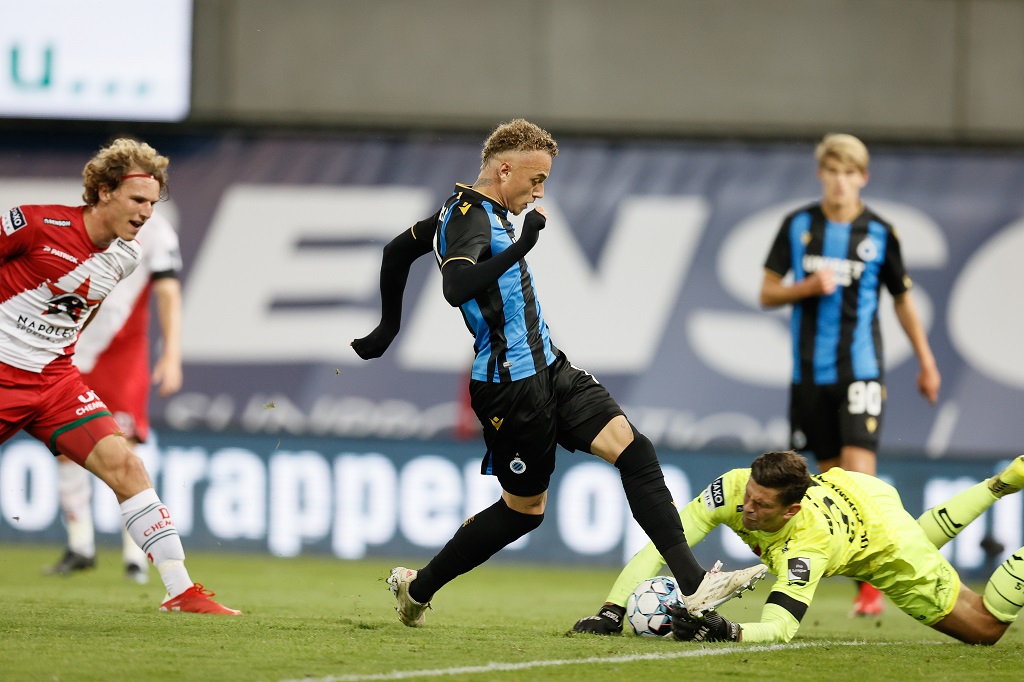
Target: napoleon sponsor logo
[798,570]
[13,220]
[58,223]
[714,495]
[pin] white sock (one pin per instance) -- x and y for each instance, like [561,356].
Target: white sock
[75,490]
[149,523]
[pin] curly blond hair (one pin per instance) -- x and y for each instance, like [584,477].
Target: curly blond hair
[517,135]
[116,160]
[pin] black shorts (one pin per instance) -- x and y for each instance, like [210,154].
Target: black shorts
[524,420]
[823,419]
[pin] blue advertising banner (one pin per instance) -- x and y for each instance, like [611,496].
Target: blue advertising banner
[357,499]
[648,273]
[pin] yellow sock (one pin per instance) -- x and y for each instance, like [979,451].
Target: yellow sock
[1004,593]
[944,521]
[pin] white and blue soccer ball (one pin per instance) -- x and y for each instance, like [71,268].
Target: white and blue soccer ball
[647,607]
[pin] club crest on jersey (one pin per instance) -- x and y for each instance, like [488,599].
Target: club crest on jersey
[517,465]
[798,570]
[70,303]
[13,220]
[867,250]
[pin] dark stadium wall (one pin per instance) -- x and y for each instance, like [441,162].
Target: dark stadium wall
[939,70]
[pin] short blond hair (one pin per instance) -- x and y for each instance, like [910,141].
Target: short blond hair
[517,135]
[115,160]
[844,148]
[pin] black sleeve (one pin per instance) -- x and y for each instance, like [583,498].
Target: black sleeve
[399,255]
[463,279]
[894,274]
[780,256]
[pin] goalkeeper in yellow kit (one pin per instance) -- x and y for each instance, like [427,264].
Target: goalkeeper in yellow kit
[806,528]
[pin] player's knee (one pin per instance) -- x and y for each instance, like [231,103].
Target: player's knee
[533,505]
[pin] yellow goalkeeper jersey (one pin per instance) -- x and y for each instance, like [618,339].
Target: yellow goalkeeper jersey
[849,524]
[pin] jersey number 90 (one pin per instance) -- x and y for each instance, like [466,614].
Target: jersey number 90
[865,397]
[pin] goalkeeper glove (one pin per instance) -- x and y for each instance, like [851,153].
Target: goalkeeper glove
[710,627]
[608,621]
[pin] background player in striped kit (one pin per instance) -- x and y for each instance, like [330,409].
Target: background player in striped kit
[525,393]
[57,264]
[840,254]
[113,354]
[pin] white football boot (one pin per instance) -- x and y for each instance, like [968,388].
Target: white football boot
[410,611]
[720,586]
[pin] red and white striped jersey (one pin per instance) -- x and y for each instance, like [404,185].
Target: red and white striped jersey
[51,279]
[123,320]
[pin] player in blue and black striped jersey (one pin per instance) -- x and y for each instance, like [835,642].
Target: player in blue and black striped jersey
[524,391]
[840,254]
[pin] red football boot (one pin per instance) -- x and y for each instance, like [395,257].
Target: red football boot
[196,599]
[869,602]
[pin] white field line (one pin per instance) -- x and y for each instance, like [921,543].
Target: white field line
[526,665]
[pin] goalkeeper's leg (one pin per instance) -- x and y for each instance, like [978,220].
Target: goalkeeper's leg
[944,521]
[982,619]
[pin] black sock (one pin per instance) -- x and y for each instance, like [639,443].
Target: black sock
[651,504]
[475,542]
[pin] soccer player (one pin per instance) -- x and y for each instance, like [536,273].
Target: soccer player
[806,528]
[57,263]
[840,253]
[113,355]
[524,391]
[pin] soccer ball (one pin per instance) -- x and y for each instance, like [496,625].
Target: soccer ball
[647,607]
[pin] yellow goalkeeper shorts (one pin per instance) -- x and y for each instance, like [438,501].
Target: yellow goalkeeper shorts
[907,567]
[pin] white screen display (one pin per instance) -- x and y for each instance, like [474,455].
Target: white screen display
[96,59]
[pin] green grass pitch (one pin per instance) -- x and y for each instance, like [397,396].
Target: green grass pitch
[323,619]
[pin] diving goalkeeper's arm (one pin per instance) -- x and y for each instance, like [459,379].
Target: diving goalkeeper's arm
[716,505]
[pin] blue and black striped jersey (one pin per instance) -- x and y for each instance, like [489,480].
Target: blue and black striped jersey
[836,338]
[511,338]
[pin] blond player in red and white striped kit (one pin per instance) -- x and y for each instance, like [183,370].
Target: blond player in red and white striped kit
[113,354]
[57,264]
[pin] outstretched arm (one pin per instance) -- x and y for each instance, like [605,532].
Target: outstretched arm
[398,257]
[464,280]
